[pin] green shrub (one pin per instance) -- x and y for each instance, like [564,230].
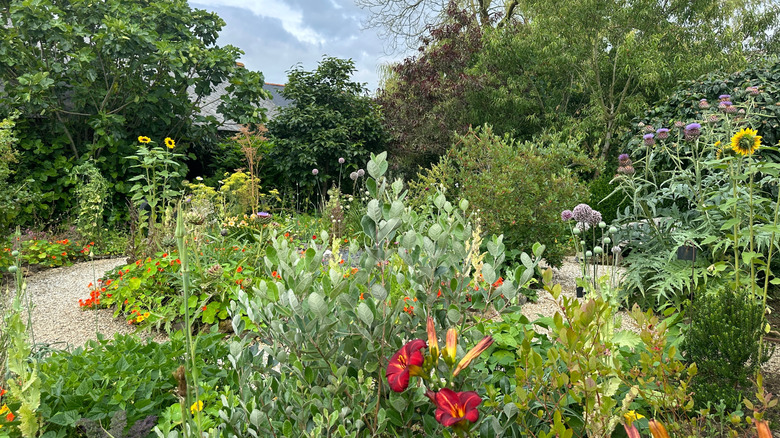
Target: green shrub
[723,340]
[518,189]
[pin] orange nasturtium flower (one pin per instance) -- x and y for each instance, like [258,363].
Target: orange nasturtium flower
[144,140]
[404,364]
[455,407]
[170,143]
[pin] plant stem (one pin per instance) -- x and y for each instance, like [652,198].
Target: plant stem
[768,273]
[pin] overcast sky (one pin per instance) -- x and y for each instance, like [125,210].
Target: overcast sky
[275,35]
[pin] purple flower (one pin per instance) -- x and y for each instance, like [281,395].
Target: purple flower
[341,160]
[692,131]
[353,176]
[692,126]
[616,250]
[567,215]
[703,104]
[315,172]
[649,139]
[361,172]
[263,214]
[724,97]
[623,157]
[595,217]
[662,133]
[582,213]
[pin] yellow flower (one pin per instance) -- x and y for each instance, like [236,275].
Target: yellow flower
[170,143]
[632,416]
[196,407]
[144,140]
[4,409]
[745,142]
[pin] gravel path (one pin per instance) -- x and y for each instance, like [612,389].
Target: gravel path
[58,320]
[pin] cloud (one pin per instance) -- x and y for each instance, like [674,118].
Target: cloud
[277,35]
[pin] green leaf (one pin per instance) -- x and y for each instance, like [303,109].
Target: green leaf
[378,292]
[365,314]
[317,305]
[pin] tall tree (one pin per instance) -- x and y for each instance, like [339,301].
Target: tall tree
[406,21]
[330,117]
[626,54]
[89,77]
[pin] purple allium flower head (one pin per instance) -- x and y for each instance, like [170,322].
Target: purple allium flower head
[582,213]
[361,172]
[703,104]
[567,215]
[649,139]
[662,133]
[595,217]
[724,97]
[341,160]
[315,172]
[353,176]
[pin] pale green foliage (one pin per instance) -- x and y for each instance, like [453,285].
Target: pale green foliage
[326,335]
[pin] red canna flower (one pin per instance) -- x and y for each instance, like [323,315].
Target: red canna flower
[454,407]
[404,364]
[478,349]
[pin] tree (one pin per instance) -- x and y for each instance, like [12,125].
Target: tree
[406,21]
[424,101]
[330,117]
[90,77]
[625,55]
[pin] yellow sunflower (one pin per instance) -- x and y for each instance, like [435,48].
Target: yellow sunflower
[170,143]
[746,142]
[144,140]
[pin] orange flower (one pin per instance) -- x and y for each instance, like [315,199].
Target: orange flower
[478,349]
[361,296]
[451,346]
[64,253]
[762,427]
[433,342]
[240,269]
[657,429]
[10,416]
[204,308]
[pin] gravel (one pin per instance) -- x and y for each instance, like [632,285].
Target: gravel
[58,320]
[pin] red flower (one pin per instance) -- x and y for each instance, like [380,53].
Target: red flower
[314,237]
[404,364]
[453,407]
[204,308]
[499,282]
[165,254]
[239,269]
[64,253]
[10,416]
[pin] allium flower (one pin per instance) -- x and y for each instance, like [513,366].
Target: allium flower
[616,250]
[315,172]
[582,213]
[595,217]
[454,407]
[649,139]
[567,215]
[746,141]
[703,104]
[341,160]
[404,364]
[361,172]
[724,97]
[662,133]
[353,176]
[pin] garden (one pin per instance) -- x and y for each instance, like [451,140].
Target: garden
[572,260]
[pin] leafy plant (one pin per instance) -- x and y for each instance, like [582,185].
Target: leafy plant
[91,197]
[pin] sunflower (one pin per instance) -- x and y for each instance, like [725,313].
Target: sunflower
[144,140]
[170,143]
[745,142]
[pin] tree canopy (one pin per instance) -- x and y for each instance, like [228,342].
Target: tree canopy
[330,117]
[90,77]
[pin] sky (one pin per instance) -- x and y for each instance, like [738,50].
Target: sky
[276,35]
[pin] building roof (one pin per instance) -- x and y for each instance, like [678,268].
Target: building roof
[272,106]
